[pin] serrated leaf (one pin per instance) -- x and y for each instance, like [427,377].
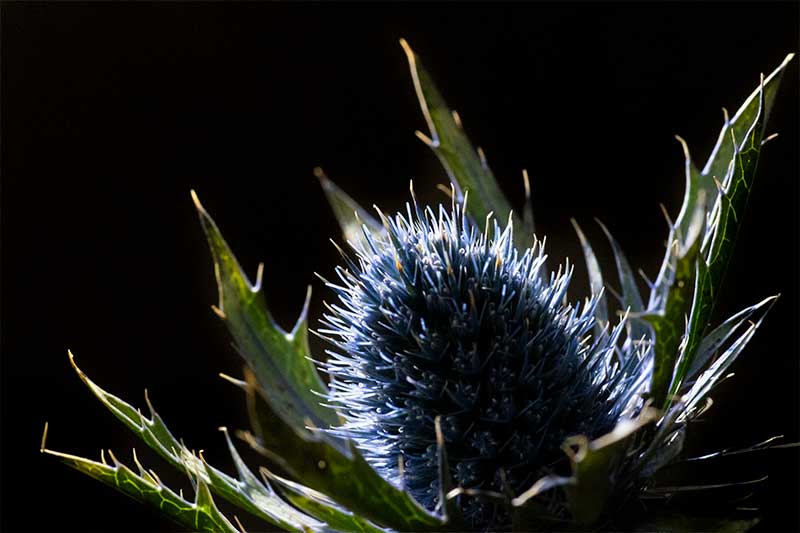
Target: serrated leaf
[717,248]
[748,112]
[351,216]
[701,183]
[708,379]
[280,360]
[712,342]
[673,296]
[200,515]
[465,166]
[348,480]
[157,436]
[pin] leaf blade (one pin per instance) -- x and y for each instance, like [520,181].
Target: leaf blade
[350,215]
[281,364]
[200,515]
[157,436]
[465,166]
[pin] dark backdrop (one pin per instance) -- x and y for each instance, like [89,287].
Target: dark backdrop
[111,113]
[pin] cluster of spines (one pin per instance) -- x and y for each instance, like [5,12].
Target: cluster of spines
[438,319]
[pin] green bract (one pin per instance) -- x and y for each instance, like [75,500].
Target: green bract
[329,470]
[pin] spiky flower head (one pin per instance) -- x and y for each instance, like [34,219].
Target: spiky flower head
[438,319]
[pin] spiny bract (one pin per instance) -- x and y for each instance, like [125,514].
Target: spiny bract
[437,319]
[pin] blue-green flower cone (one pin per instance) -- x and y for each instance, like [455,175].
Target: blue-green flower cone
[438,319]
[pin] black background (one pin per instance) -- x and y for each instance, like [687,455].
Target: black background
[111,113]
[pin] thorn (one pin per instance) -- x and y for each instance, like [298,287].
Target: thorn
[338,248]
[113,458]
[457,119]
[482,157]
[666,216]
[196,201]
[147,401]
[726,119]
[736,147]
[218,312]
[527,184]
[43,446]
[768,139]
[442,187]
[406,46]
[239,524]
[155,477]
[142,471]
[238,382]
[259,277]
[684,146]
[424,138]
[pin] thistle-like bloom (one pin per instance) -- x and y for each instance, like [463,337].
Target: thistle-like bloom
[438,319]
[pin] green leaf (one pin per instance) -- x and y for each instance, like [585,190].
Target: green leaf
[708,379]
[595,279]
[320,506]
[712,342]
[280,360]
[263,504]
[673,297]
[348,213]
[281,365]
[631,298]
[147,488]
[749,112]
[591,484]
[701,183]
[718,245]
[669,324]
[465,166]
[348,480]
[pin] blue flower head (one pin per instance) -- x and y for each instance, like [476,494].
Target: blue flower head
[437,319]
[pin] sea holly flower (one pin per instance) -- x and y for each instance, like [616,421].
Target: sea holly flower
[462,389]
[439,320]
